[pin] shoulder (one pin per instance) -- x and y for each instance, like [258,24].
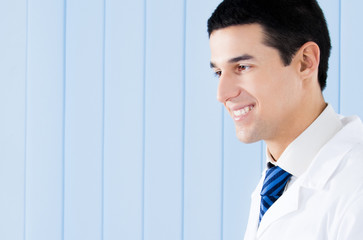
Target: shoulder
[351,137]
[349,220]
[348,143]
[351,165]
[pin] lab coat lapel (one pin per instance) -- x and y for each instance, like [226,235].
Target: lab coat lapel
[287,203]
[252,226]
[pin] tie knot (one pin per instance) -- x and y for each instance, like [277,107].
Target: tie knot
[275,181]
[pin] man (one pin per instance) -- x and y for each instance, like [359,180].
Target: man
[271,57]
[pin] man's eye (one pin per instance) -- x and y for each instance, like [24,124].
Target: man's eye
[243,67]
[218,73]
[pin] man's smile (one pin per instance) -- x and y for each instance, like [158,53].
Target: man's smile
[240,113]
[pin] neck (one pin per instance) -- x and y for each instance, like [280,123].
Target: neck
[301,120]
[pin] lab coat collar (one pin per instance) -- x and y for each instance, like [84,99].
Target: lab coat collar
[315,178]
[329,158]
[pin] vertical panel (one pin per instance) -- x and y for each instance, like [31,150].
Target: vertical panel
[12,104]
[331,12]
[44,178]
[84,120]
[242,171]
[203,133]
[164,119]
[124,119]
[351,60]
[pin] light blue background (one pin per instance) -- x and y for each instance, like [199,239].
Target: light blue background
[109,125]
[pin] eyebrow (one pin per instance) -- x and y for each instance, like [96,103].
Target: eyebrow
[236,59]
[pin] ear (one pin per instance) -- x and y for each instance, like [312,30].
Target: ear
[309,58]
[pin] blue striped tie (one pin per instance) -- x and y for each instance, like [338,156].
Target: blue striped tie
[273,187]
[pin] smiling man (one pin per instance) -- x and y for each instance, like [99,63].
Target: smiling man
[271,57]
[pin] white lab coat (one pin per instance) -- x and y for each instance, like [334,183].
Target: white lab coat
[326,202]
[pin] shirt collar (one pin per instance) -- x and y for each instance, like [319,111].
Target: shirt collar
[299,154]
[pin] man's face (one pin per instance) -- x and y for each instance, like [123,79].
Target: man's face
[260,93]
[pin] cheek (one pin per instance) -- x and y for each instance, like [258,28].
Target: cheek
[265,88]
[274,93]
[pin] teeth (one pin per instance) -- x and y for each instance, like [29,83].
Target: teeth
[242,111]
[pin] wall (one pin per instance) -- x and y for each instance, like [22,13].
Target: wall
[110,128]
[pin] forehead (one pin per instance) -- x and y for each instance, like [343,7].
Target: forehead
[233,41]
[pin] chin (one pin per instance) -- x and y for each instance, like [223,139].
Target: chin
[245,137]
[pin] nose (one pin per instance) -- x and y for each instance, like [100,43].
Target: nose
[227,88]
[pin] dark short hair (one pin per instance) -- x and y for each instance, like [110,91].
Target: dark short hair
[287,24]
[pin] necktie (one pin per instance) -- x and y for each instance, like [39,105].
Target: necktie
[273,187]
